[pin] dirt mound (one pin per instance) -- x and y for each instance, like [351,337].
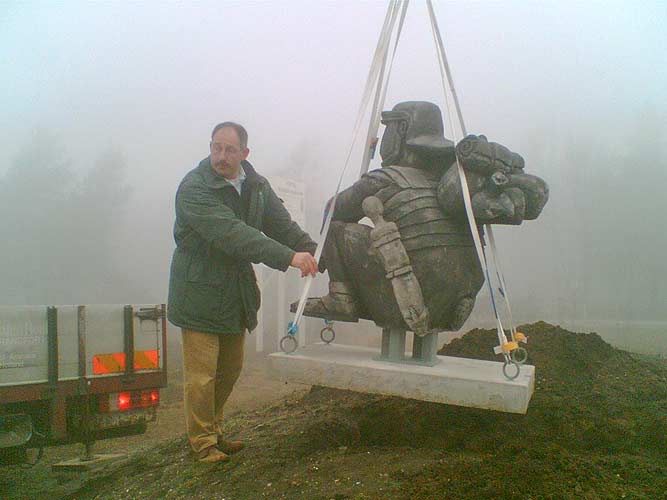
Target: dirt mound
[596,429]
[590,394]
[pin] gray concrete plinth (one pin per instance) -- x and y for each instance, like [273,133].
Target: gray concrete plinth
[455,381]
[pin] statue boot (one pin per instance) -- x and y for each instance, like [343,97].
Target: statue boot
[338,305]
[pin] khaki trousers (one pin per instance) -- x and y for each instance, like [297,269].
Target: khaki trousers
[212,364]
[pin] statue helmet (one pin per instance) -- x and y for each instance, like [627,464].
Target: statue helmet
[416,125]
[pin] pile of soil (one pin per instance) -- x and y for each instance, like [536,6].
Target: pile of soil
[596,428]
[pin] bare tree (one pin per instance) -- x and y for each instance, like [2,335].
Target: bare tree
[59,228]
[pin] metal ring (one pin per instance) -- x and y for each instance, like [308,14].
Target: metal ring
[288,344]
[328,338]
[518,370]
[519,355]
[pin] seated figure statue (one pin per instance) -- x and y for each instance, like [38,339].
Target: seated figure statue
[417,269]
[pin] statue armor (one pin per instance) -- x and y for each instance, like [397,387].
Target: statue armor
[410,200]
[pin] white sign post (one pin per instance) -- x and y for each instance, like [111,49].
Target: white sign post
[292,194]
[259,330]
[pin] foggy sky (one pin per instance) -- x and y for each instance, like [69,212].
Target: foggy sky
[579,89]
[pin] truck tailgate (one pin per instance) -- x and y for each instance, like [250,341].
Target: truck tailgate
[88,341]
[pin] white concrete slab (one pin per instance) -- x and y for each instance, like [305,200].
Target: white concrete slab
[456,381]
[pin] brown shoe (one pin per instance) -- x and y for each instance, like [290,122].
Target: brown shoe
[229,447]
[212,455]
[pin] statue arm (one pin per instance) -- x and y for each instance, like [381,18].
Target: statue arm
[348,203]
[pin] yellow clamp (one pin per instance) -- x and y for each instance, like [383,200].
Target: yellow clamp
[509,346]
[520,337]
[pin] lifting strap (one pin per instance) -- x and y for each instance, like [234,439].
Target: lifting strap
[447,79]
[376,78]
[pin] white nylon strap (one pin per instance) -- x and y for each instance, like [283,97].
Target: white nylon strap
[380,95]
[376,69]
[446,72]
[442,58]
[489,229]
[501,279]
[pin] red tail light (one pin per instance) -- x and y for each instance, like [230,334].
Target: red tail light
[124,401]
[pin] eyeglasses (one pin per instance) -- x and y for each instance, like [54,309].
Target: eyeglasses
[229,149]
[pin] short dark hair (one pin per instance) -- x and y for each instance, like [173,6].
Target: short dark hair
[240,131]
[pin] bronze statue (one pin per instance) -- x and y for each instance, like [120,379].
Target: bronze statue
[417,268]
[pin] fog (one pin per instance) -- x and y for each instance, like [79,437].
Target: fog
[105,106]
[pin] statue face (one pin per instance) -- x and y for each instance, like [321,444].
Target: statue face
[393,141]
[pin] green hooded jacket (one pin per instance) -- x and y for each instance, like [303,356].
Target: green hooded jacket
[212,285]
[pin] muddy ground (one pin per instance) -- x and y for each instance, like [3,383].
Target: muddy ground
[596,428]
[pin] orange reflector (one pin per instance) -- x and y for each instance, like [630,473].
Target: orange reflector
[115,363]
[509,346]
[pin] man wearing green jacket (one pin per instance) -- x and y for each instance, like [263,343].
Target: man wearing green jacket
[227,217]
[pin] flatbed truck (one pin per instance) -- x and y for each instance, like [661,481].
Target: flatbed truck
[78,373]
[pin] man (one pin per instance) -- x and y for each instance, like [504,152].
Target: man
[227,217]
